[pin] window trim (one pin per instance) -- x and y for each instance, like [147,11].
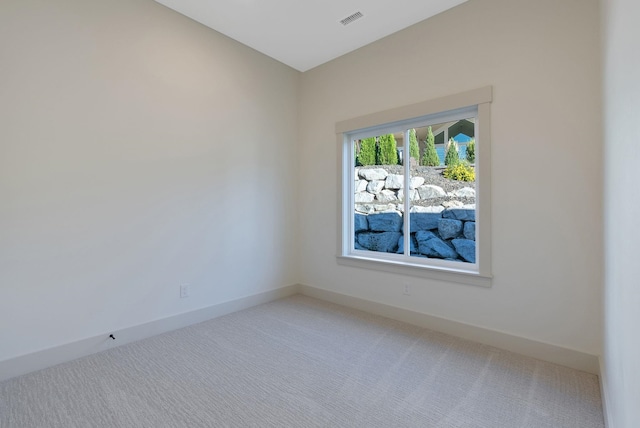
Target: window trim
[479,99]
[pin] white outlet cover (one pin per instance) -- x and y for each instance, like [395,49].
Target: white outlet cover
[184,290]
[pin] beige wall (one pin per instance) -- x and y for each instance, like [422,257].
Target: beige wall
[138,150]
[622,212]
[543,60]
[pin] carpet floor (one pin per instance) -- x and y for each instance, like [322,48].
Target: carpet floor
[302,362]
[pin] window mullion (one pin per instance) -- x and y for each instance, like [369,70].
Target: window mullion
[406,164]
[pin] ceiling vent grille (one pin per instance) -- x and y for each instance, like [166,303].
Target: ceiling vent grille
[349,19]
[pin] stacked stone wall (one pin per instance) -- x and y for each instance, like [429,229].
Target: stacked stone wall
[445,231]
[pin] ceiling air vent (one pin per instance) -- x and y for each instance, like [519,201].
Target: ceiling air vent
[349,19]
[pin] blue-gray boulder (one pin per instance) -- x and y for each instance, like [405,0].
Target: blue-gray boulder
[424,221]
[422,236]
[386,242]
[466,248]
[469,231]
[434,246]
[465,213]
[385,222]
[413,247]
[360,223]
[449,228]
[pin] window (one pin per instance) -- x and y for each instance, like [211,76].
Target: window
[424,170]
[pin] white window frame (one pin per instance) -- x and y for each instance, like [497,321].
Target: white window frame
[475,103]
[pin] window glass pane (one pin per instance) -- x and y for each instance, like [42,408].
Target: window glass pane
[378,212]
[443,210]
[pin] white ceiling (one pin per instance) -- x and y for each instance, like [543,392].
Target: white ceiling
[306,33]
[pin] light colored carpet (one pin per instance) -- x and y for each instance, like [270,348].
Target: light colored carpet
[301,362]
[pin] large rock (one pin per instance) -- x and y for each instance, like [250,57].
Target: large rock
[413,194]
[421,209]
[416,182]
[466,248]
[375,186]
[469,231]
[422,236]
[452,204]
[449,228]
[386,242]
[385,222]
[465,192]
[424,221]
[364,197]
[360,223]
[361,185]
[386,196]
[464,213]
[394,182]
[435,247]
[365,208]
[413,248]
[430,191]
[385,207]
[371,174]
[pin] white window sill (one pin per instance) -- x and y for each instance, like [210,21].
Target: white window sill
[419,270]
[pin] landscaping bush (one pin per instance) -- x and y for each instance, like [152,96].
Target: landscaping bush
[367,154]
[452,158]
[387,153]
[430,156]
[471,151]
[414,148]
[460,172]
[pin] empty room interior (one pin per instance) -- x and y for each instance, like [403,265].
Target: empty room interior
[176,250]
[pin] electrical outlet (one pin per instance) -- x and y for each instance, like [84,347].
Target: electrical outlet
[184,291]
[406,289]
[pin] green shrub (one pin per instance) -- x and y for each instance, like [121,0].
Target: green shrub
[452,158]
[367,153]
[471,151]
[430,156]
[387,153]
[414,148]
[460,172]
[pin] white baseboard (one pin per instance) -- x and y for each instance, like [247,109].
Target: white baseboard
[60,354]
[531,348]
[70,351]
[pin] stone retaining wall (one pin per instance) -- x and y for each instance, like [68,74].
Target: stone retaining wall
[444,232]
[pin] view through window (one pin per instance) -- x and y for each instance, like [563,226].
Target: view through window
[436,163]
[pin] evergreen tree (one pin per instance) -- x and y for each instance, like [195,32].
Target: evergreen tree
[452,158]
[387,150]
[430,156]
[414,148]
[471,151]
[367,153]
